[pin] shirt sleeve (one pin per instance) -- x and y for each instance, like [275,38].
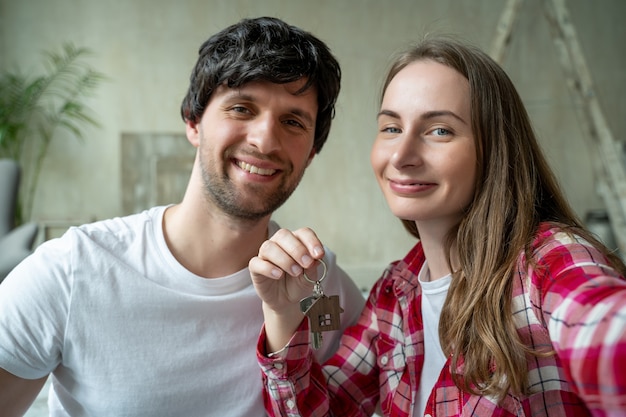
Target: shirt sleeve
[583,303]
[287,378]
[347,385]
[34,305]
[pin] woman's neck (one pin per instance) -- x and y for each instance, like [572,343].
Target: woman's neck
[433,243]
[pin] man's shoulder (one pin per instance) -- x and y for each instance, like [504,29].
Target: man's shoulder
[135,220]
[117,229]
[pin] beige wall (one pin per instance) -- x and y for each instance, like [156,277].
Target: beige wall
[148,47]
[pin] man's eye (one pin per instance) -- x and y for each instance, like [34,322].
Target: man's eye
[240,109]
[295,123]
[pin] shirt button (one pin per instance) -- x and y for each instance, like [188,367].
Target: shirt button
[428,415]
[384,360]
[278,365]
[290,404]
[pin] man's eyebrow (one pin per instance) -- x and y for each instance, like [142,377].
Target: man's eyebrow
[303,114]
[235,94]
[238,95]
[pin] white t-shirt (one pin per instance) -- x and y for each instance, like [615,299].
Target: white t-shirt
[433,296]
[126,330]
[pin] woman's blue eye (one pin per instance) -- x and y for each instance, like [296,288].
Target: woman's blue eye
[440,131]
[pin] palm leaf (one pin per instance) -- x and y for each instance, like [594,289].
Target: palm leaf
[33,110]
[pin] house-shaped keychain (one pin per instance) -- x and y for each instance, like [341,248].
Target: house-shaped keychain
[324,313]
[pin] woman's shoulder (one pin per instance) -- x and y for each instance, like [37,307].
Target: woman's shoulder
[555,236]
[557,244]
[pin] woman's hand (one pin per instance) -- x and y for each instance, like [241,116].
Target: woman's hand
[277,275]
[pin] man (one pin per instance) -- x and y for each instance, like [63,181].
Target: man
[155,314]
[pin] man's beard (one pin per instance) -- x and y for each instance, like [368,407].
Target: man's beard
[222,192]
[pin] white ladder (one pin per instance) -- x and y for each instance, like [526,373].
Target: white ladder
[608,162]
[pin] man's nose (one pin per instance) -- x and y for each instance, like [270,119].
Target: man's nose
[264,134]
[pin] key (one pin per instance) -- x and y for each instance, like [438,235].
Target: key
[305,306]
[306,303]
[323,311]
[316,341]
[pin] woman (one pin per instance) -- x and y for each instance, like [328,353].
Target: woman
[506,306]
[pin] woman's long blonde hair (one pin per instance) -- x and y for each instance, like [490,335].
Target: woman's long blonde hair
[515,190]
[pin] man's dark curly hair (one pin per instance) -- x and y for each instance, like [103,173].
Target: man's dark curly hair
[265,49]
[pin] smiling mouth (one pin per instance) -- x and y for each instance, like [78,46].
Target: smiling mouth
[408,183]
[254,169]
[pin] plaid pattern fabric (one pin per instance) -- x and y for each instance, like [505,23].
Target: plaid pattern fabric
[570,301]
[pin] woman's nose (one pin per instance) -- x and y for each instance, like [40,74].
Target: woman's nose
[406,152]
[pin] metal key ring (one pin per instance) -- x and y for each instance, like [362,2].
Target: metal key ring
[323,275]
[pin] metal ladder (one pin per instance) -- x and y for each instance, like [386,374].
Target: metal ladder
[608,162]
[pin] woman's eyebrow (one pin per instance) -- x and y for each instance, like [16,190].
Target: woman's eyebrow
[389,113]
[424,116]
[438,113]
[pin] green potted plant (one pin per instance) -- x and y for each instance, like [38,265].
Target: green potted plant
[34,109]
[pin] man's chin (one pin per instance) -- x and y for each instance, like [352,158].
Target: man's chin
[253,204]
[250,213]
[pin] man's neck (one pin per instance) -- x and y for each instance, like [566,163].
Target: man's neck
[210,244]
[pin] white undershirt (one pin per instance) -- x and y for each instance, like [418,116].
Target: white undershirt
[433,296]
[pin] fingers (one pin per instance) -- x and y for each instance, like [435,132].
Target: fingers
[292,252]
[260,267]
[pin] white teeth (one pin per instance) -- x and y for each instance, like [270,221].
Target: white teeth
[255,170]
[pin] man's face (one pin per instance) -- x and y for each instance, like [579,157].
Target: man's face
[254,144]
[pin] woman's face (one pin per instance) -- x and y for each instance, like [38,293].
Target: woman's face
[424,156]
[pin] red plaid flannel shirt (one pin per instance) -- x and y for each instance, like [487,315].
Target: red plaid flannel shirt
[571,301]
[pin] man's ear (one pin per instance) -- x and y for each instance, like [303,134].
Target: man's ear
[311,156]
[192,130]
